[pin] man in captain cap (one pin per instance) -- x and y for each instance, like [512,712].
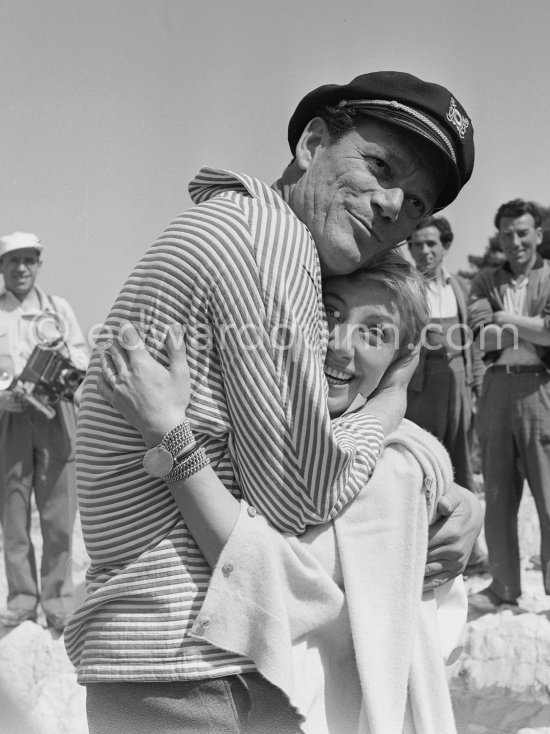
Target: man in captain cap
[36,453]
[243,267]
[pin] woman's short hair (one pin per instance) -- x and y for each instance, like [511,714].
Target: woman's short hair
[407,288]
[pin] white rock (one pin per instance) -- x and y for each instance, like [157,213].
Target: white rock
[35,670]
[509,651]
[37,681]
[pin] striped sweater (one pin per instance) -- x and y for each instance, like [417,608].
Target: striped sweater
[241,272]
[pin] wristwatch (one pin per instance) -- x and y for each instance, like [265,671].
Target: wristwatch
[159,461]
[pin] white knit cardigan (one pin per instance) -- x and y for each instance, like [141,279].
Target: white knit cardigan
[336,619]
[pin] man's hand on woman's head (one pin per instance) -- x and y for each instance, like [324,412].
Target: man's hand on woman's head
[399,373]
[388,403]
[152,398]
[452,537]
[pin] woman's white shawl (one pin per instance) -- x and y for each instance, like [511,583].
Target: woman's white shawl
[369,662]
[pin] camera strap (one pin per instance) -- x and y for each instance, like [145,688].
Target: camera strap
[52,303]
[58,318]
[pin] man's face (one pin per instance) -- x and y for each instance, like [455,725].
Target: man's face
[364,193]
[427,250]
[364,332]
[519,238]
[20,269]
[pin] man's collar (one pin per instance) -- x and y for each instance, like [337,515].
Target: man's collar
[210,182]
[12,300]
[445,279]
[539,262]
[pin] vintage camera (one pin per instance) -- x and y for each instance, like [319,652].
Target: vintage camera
[47,378]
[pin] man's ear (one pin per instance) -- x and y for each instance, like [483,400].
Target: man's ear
[540,234]
[315,135]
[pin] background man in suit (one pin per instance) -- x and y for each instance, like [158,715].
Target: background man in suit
[509,311]
[440,393]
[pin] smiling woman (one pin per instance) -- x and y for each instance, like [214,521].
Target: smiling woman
[363,340]
[373,320]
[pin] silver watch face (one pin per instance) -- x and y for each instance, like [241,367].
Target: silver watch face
[158,461]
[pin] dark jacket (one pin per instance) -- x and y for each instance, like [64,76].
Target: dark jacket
[417,381]
[487,296]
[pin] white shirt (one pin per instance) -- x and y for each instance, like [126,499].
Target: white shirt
[441,297]
[523,352]
[24,325]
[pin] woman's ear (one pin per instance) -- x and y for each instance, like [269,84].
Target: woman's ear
[315,135]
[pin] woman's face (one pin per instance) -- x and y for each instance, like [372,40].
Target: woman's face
[364,331]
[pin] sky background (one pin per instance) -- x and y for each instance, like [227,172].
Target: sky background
[109,107]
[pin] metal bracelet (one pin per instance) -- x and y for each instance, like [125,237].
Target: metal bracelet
[179,437]
[190,464]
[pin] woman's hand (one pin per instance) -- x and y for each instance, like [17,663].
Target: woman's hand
[151,397]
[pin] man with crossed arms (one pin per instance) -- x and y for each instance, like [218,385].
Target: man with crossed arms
[510,312]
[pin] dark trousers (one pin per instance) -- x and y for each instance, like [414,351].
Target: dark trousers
[444,408]
[235,704]
[514,436]
[37,454]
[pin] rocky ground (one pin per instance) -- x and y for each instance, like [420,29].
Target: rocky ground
[500,684]
[38,689]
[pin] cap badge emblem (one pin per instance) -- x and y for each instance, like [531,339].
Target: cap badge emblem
[456,118]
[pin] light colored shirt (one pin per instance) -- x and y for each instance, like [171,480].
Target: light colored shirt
[515,301]
[441,297]
[24,326]
[242,272]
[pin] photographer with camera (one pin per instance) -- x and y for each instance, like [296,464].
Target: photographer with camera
[37,434]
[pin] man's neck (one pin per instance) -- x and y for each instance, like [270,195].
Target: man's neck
[437,277]
[279,187]
[285,185]
[519,270]
[29,300]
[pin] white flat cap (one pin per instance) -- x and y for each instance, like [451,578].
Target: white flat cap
[19,241]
